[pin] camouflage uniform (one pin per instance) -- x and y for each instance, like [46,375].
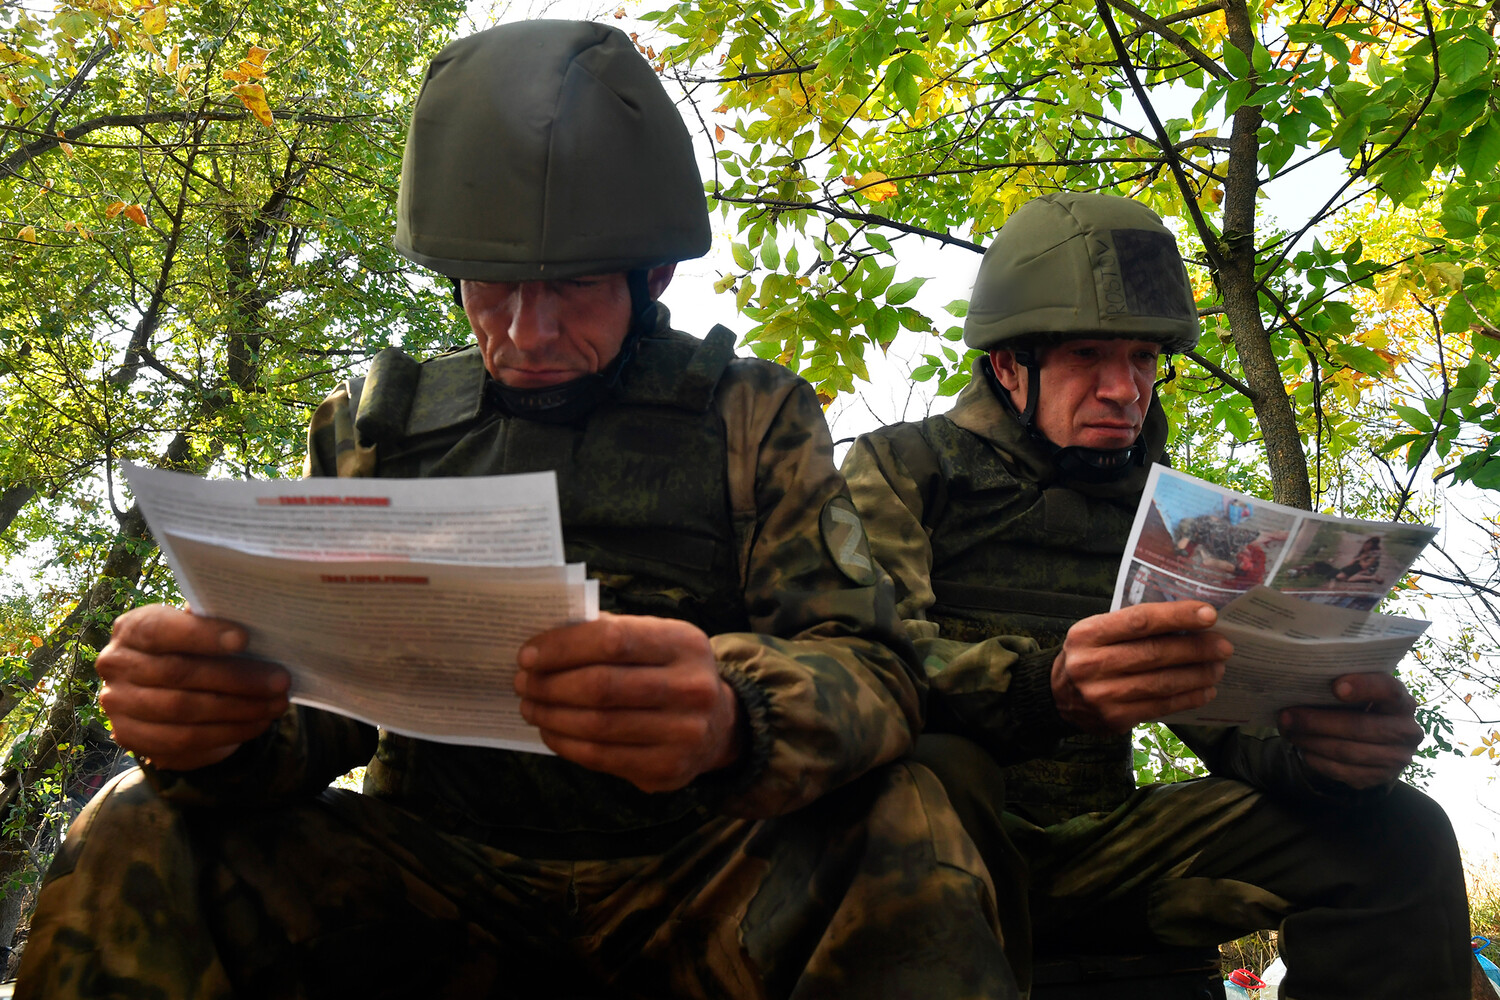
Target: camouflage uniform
[961,503]
[813,867]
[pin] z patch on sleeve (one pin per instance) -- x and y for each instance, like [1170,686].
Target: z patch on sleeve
[844,536]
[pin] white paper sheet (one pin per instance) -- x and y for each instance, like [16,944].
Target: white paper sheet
[399,602]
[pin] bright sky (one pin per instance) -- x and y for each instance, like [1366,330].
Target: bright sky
[1466,787]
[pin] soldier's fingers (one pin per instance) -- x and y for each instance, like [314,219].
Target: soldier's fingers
[615,639]
[1122,717]
[220,674]
[1165,651]
[172,705]
[1144,620]
[161,628]
[1146,655]
[1353,775]
[1380,692]
[185,747]
[626,727]
[1160,685]
[1351,725]
[604,686]
[651,769]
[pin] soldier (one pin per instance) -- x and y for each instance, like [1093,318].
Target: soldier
[723,817]
[1003,523]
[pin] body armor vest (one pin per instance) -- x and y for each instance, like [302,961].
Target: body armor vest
[1011,556]
[644,502]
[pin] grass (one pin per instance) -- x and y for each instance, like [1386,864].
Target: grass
[1483,877]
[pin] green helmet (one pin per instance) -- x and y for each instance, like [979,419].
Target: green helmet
[547,149]
[1066,266]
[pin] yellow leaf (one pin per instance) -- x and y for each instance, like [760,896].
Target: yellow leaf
[235,76]
[113,209]
[721,109]
[112,35]
[63,144]
[172,60]
[719,132]
[36,640]
[253,96]
[873,186]
[257,55]
[252,71]
[154,20]
[136,214]
[28,233]
[1479,750]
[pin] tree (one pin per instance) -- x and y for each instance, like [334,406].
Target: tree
[845,132]
[198,197]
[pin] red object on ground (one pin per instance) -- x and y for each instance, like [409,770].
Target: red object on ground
[1246,978]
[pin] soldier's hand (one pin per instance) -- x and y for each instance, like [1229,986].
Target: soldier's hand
[1365,745]
[633,696]
[176,694]
[1137,664]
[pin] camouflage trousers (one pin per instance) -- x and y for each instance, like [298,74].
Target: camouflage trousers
[873,891]
[1368,898]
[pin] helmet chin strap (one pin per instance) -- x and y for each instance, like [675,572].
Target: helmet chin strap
[571,401]
[1083,465]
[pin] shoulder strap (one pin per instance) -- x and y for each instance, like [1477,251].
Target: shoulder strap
[674,369]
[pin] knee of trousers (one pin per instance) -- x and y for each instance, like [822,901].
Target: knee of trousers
[127,818]
[1412,835]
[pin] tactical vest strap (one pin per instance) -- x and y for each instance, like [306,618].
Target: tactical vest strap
[695,391]
[449,392]
[387,395]
[1006,600]
[674,369]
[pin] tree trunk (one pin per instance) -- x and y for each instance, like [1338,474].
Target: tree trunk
[12,500]
[1237,283]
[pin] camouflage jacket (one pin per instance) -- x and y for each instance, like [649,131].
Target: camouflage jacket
[967,502]
[812,647]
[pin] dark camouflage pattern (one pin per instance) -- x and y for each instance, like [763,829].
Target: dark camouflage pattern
[863,893]
[1268,844]
[856,879]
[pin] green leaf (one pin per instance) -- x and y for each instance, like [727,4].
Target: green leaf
[958,308]
[877,279]
[1464,60]
[1479,151]
[884,325]
[1474,374]
[953,384]
[824,314]
[904,86]
[1415,417]
[904,292]
[877,241]
[1236,63]
[741,255]
[769,255]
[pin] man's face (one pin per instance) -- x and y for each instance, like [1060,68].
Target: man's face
[535,334]
[1094,393]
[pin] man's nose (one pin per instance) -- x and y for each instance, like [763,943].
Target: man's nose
[533,316]
[1117,383]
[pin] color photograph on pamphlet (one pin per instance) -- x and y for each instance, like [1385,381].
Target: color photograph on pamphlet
[1193,540]
[1295,591]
